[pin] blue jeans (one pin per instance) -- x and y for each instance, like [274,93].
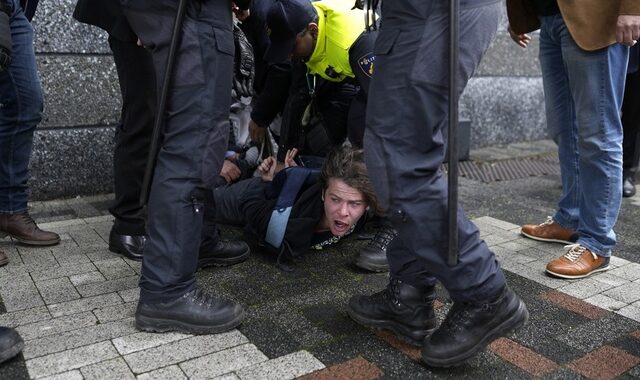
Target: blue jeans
[583,96]
[20,112]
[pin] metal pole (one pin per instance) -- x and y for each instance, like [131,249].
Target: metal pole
[158,127]
[452,258]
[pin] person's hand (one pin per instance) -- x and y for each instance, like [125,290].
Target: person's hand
[628,29]
[241,14]
[289,158]
[256,132]
[230,171]
[267,168]
[521,39]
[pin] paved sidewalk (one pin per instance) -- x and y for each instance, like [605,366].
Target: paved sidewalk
[74,303]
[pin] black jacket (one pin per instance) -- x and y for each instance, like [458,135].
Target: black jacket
[107,15]
[29,7]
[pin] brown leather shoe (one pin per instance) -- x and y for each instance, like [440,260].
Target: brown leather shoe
[550,231]
[25,230]
[578,262]
[4,260]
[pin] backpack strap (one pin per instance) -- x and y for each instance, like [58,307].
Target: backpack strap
[296,177]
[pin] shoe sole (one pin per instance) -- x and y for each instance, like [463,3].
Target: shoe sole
[566,242]
[31,242]
[377,268]
[378,324]
[517,319]
[120,252]
[161,325]
[560,275]
[11,351]
[218,262]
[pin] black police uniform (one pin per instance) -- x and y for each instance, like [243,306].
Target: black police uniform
[195,138]
[405,143]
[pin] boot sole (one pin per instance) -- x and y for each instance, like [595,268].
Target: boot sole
[566,242]
[31,242]
[554,274]
[517,319]
[401,333]
[221,262]
[378,268]
[160,325]
[123,254]
[11,351]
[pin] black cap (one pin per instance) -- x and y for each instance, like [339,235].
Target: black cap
[286,18]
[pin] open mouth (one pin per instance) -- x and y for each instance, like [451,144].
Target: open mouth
[340,226]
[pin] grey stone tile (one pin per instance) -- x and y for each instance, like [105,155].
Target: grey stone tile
[513,246]
[609,278]
[24,317]
[78,338]
[63,271]
[585,288]
[185,349]
[135,265]
[605,302]
[628,293]
[143,341]
[61,224]
[84,304]
[495,239]
[88,290]
[56,325]
[631,312]
[629,271]
[222,362]
[228,376]
[113,269]
[87,278]
[37,258]
[286,367]
[496,223]
[72,359]
[109,369]
[99,219]
[616,262]
[19,292]
[130,295]
[87,238]
[57,290]
[71,256]
[116,312]
[101,252]
[70,375]
[172,372]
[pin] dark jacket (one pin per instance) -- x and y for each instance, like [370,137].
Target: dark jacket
[29,7]
[107,15]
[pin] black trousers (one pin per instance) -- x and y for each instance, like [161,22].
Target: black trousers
[631,126]
[133,134]
[195,137]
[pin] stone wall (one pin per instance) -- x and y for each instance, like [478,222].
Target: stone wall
[73,144]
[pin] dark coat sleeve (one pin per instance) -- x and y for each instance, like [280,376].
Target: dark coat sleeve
[107,15]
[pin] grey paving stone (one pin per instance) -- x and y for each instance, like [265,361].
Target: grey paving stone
[87,278]
[628,293]
[61,224]
[143,341]
[88,290]
[585,288]
[116,312]
[496,223]
[70,375]
[172,372]
[130,295]
[37,259]
[513,246]
[616,262]
[285,367]
[72,359]
[19,292]
[57,290]
[629,271]
[631,312]
[87,238]
[536,275]
[67,270]
[109,369]
[497,238]
[56,325]
[79,337]
[99,219]
[222,362]
[185,349]
[135,265]
[606,302]
[609,278]
[84,304]
[71,256]
[113,269]
[23,317]
[101,252]
[229,376]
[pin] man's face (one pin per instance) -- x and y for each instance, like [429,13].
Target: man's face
[305,43]
[343,206]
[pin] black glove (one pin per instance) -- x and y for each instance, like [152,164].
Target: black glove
[5,37]
[244,65]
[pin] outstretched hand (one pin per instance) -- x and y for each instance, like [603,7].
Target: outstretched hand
[267,168]
[289,158]
[522,40]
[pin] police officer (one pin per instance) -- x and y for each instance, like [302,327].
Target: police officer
[191,154]
[404,149]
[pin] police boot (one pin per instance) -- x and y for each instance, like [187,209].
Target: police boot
[373,256]
[223,253]
[10,343]
[469,327]
[196,312]
[401,308]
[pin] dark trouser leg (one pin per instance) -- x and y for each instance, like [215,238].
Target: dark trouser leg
[631,126]
[133,133]
[195,139]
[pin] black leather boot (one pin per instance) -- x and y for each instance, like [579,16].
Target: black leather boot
[469,327]
[628,187]
[10,343]
[129,246]
[373,256]
[196,312]
[223,253]
[401,308]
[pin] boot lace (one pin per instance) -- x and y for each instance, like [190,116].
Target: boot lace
[383,237]
[201,297]
[574,251]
